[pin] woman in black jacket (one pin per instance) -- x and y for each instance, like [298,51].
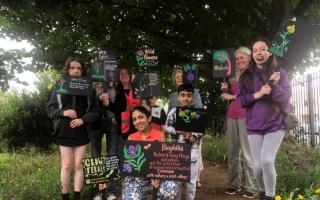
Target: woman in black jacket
[72,115]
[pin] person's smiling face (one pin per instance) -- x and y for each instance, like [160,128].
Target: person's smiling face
[260,53]
[124,76]
[242,61]
[141,121]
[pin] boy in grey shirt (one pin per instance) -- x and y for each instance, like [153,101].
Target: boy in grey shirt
[185,98]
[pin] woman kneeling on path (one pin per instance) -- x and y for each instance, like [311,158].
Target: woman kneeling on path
[135,187]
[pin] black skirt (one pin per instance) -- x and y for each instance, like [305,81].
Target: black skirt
[67,136]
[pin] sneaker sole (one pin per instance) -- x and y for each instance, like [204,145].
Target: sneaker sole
[248,197]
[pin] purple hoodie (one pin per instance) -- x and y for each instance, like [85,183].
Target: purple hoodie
[264,115]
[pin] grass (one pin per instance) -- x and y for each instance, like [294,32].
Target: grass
[215,149]
[31,175]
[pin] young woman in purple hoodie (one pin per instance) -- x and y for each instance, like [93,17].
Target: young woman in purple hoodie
[265,91]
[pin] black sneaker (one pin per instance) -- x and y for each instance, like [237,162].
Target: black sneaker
[249,195]
[232,191]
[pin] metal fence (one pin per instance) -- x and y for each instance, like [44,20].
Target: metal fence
[306,102]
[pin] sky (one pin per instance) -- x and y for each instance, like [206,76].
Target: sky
[27,76]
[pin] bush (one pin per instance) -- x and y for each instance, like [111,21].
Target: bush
[215,149]
[24,121]
[23,118]
[298,166]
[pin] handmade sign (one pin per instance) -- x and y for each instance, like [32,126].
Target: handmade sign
[105,68]
[292,40]
[146,57]
[100,169]
[223,63]
[111,71]
[191,119]
[190,73]
[97,71]
[156,160]
[146,85]
[74,85]
[106,55]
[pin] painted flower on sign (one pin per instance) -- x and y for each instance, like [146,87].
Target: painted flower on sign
[127,168]
[132,150]
[134,158]
[188,115]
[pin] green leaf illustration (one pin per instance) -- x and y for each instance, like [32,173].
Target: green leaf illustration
[141,163]
[221,56]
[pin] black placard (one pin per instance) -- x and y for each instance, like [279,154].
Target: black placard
[100,169]
[111,71]
[191,119]
[156,160]
[223,63]
[146,85]
[146,57]
[74,85]
[190,73]
[292,40]
[105,68]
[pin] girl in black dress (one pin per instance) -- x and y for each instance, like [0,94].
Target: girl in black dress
[72,116]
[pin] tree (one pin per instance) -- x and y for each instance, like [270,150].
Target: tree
[180,31]
[10,62]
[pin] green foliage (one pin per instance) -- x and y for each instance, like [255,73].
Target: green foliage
[23,118]
[11,63]
[215,149]
[298,166]
[24,121]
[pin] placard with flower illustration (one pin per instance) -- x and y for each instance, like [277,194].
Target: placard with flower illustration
[74,85]
[223,63]
[156,160]
[191,119]
[146,84]
[101,169]
[292,40]
[190,73]
[104,69]
[146,57]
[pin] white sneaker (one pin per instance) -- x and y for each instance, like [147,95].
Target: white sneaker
[97,197]
[112,197]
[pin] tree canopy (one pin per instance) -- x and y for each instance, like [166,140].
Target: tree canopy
[179,31]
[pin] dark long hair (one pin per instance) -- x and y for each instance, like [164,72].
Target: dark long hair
[272,65]
[141,109]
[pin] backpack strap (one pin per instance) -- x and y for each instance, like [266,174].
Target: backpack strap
[89,103]
[59,101]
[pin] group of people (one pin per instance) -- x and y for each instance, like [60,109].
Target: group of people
[259,95]
[112,110]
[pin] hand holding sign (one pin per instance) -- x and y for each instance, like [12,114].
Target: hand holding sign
[104,97]
[70,113]
[76,123]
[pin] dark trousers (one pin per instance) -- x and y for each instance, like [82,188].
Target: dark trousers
[112,144]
